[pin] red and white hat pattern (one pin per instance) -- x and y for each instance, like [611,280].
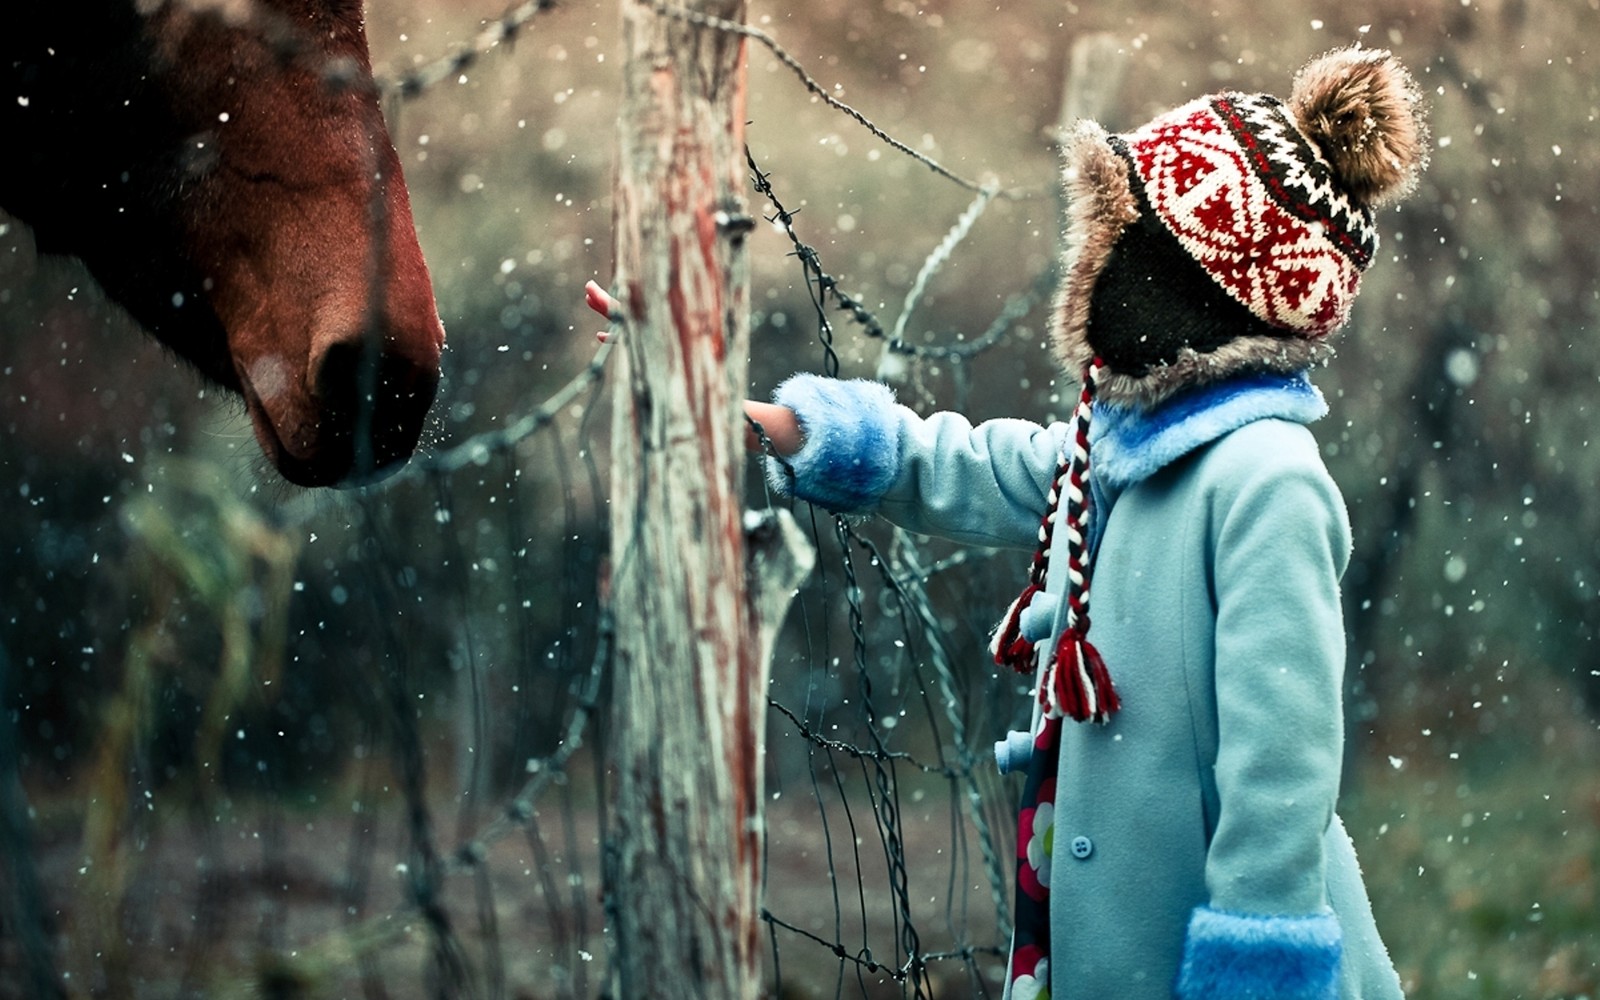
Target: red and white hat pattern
[1256,205]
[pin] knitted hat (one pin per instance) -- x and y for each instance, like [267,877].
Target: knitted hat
[1226,236]
[1230,234]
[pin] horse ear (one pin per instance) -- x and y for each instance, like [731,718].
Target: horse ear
[1365,113]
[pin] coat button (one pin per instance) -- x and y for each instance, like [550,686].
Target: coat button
[1082,847]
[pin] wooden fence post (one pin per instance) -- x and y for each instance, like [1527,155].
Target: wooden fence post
[1095,71]
[689,696]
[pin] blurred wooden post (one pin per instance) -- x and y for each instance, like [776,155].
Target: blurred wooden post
[689,696]
[1099,61]
[1094,75]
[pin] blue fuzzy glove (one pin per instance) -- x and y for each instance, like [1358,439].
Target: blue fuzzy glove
[1231,956]
[852,442]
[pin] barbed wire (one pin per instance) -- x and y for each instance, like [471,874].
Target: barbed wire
[823,286]
[909,971]
[503,29]
[887,810]
[805,732]
[703,20]
[819,284]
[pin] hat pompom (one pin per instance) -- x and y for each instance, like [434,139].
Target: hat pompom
[1365,114]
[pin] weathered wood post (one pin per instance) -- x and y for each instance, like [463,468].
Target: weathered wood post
[689,697]
[1094,76]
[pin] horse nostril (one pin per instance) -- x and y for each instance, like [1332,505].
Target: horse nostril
[374,402]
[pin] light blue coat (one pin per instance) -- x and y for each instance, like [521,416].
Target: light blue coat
[1207,860]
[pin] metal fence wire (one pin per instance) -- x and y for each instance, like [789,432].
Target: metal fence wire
[458,851]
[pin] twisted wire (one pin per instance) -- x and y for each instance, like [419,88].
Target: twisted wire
[503,29]
[820,92]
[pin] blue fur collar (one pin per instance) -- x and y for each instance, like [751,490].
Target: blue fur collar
[1129,444]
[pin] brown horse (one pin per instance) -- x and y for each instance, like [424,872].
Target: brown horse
[223,169]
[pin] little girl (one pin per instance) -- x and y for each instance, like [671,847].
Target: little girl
[1177,836]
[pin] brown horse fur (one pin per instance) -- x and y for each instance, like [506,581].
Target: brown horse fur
[223,169]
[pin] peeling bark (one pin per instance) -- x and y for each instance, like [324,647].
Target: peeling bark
[691,647]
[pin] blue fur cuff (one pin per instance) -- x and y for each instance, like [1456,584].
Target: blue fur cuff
[1231,956]
[852,442]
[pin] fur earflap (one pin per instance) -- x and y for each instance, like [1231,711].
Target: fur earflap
[1365,113]
[1100,204]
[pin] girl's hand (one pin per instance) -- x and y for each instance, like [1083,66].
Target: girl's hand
[777,422]
[602,303]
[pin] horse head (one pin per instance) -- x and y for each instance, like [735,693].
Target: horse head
[223,168]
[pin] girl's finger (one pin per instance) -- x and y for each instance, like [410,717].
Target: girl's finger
[598,300]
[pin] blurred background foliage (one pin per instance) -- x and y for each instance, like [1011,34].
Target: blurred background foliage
[1463,411]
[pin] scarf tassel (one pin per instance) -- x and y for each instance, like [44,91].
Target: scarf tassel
[1082,684]
[1009,647]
